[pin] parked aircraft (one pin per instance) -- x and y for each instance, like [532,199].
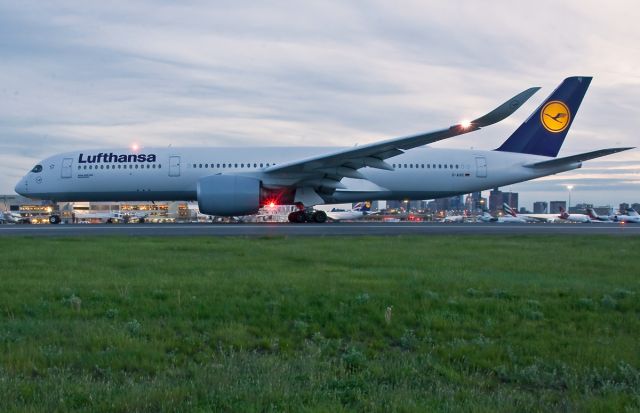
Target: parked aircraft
[508,211]
[455,218]
[360,210]
[630,217]
[595,217]
[582,218]
[8,217]
[238,181]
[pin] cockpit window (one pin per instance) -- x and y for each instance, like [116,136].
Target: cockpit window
[37,168]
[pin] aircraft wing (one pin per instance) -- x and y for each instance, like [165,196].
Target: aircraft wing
[576,158]
[327,170]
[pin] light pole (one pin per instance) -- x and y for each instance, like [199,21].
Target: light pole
[569,188]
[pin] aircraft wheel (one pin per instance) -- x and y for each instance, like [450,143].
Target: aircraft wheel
[54,219]
[140,220]
[320,217]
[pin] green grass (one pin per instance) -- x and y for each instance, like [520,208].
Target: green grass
[320,324]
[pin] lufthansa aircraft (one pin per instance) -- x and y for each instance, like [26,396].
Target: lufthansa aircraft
[238,181]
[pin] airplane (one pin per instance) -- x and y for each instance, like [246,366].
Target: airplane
[360,210]
[455,218]
[631,217]
[487,217]
[238,181]
[510,212]
[8,217]
[582,218]
[597,218]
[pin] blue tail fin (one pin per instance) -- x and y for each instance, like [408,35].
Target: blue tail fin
[362,206]
[544,131]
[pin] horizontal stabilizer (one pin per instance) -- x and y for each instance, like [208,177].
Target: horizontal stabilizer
[576,158]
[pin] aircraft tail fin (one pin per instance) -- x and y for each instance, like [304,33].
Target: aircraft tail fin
[508,210]
[592,214]
[362,206]
[544,131]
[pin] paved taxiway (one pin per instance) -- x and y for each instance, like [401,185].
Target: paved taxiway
[331,229]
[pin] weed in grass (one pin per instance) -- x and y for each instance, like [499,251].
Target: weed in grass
[134,327]
[388,314]
[608,302]
[586,303]
[111,313]
[622,293]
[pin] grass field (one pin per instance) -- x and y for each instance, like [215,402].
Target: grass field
[320,324]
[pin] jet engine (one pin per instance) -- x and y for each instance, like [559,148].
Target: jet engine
[228,195]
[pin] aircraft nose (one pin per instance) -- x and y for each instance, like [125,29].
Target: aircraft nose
[21,187]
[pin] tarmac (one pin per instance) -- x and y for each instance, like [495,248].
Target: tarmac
[328,229]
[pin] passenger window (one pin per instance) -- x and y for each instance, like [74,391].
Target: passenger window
[450,166]
[241,165]
[218,165]
[224,165]
[119,166]
[428,166]
[85,167]
[194,165]
[261,165]
[411,165]
[445,166]
[159,166]
[255,165]
[422,166]
[206,165]
[405,165]
[456,166]
[439,166]
[136,166]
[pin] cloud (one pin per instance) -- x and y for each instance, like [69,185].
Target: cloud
[323,73]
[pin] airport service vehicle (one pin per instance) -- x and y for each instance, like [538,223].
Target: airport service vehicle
[359,211]
[238,181]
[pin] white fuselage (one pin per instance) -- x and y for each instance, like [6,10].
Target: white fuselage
[172,173]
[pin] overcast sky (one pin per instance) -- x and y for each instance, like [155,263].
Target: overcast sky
[76,75]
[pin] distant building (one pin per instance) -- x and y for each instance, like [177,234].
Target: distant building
[497,198]
[475,202]
[623,207]
[540,207]
[554,206]
[636,206]
[395,204]
[580,208]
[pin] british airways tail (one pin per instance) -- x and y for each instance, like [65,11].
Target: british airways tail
[544,131]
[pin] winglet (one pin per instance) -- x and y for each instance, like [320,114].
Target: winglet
[505,110]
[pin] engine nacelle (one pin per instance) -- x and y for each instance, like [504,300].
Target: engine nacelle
[228,195]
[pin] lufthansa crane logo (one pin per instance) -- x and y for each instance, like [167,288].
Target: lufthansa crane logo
[555,116]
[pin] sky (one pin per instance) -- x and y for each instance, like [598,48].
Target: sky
[83,75]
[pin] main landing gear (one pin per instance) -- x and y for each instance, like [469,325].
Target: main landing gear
[307,215]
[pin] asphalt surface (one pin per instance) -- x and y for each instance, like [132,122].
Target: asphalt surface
[329,229]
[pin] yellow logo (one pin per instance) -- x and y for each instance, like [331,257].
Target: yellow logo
[555,116]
